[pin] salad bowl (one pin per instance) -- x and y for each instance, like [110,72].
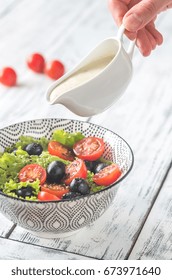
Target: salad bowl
[63,217]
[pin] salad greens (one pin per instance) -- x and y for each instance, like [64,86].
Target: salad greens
[25,140]
[11,186]
[93,186]
[15,158]
[66,138]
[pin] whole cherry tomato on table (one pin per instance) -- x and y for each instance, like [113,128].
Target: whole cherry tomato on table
[54,69]
[8,76]
[36,62]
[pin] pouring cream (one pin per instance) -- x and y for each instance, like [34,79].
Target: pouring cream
[81,76]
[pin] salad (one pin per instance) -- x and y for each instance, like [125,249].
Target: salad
[68,165]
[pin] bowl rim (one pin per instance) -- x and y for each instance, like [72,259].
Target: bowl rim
[80,197]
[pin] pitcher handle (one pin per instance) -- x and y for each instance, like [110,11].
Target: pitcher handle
[120,34]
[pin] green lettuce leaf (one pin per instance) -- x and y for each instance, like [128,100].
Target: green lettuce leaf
[11,186]
[25,140]
[67,139]
[93,186]
[45,159]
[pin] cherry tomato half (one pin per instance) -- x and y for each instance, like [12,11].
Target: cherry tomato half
[57,149]
[107,175]
[54,69]
[89,148]
[45,196]
[36,62]
[8,77]
[31,172]
[76,169]
[58,190]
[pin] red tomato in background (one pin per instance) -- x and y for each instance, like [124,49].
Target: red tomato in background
[57,149]
[54,69]
[31,172]
[55,189]
[45,196]
[107,175]
[36,62]
[76,169]
[89,148]
[8,76]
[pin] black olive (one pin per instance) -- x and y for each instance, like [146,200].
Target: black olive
[100,166]
[55,171]
[33,149]
[91,165]
[25,192]
[13,150]
[79,185]
[70,195]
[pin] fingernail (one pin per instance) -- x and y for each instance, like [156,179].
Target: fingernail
[132,22]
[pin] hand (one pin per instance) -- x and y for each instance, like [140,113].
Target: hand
[138,17]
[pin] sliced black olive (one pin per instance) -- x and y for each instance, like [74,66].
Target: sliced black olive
[55,171]
[100,166]
[70,195]
[33,149]
[25,192]
[79,185]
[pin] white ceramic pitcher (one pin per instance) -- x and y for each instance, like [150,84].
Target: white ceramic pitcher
[99,92]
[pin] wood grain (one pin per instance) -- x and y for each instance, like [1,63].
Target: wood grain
[5,226]
[10,250]
[142,117]
[154,242]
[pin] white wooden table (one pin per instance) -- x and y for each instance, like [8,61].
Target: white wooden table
[138,225]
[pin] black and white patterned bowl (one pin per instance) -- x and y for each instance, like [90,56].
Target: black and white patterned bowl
[61,217]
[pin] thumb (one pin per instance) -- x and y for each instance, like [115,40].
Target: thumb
[142,13]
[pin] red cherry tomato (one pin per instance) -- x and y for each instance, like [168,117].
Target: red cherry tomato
[57,149]
[45,196]
[107,175]
[31,172]
[76,169]
[89,148]
[54,69]
[58,190]
[8,77]
[36,62]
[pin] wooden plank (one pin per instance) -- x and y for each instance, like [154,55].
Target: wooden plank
[143,118]
[30,28]
[57,31]
[5,226]
[27,101]
[7,7]
[10,250]
[154,242]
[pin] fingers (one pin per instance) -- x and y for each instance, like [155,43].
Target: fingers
[155,33]
[118,10]
[138,17]
[142,13]
[148,38]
